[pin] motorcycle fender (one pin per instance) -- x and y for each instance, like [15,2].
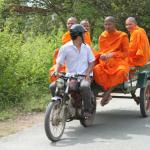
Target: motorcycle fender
[56,98]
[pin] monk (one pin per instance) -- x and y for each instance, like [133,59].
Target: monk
[113,64]
[66,37]
[71,21]
[85,23]
[139,48]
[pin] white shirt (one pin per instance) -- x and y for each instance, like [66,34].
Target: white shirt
[76,61]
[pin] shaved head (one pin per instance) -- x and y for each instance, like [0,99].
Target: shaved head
[110,19]
[85,20]
[86,24]
[131,19]
[110,24]
[71,21]
[130,23]
[72,18]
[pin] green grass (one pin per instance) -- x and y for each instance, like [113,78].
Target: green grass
[7,114]
[28,106]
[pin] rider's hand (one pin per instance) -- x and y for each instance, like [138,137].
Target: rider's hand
[55,74]
[87,77]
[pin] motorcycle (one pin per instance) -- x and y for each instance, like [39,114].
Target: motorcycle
[66,106]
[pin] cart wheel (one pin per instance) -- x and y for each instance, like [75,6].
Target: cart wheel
[145,100]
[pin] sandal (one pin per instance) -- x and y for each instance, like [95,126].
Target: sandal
[106,98]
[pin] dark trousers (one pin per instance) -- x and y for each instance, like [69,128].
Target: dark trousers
[85,91]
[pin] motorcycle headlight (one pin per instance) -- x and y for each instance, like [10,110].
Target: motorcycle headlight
[73,85]
[60,83]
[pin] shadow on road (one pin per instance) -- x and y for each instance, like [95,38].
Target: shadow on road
[108,126]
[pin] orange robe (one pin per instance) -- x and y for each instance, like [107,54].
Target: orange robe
[113,71]
[52,69]
[139,48]
[66,38]
[87,38]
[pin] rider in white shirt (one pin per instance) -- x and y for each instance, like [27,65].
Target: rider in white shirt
[79,59]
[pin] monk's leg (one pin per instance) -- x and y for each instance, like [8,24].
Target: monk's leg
[106,97]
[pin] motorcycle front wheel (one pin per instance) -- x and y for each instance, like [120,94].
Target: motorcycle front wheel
[55,120]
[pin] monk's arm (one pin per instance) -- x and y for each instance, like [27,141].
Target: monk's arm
[135,44]
[142,45]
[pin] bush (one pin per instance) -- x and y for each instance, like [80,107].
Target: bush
[9,54]
[24,66]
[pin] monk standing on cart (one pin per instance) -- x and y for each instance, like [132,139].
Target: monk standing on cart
[113,67]
[139,48]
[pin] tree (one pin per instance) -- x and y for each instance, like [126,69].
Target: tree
[55,12]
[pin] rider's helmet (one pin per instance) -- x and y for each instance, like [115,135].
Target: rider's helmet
[77,30]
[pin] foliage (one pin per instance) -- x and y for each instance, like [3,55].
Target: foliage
[6,114]
[24,66]
[28,106]
[57,12]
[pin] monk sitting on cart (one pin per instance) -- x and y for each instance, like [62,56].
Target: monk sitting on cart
[113,65]
[139,48]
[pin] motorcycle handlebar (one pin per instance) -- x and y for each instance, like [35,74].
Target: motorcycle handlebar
[66,76]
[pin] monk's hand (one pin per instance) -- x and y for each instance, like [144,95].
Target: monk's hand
[103,57]
[110,55]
